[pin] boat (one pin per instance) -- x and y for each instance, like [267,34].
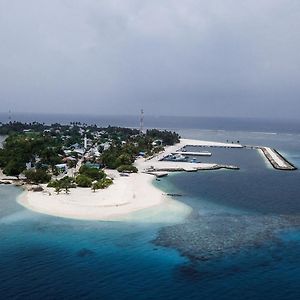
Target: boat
[177,157]
[124,174]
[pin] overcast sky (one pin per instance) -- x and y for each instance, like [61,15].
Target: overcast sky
[180,57]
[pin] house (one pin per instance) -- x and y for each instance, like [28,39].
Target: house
[93,166]
[62,168]
[27,130]
[67,152]
[75,146]
[29,165]
[157,143]
[79,151]
[105,146]
[69,158]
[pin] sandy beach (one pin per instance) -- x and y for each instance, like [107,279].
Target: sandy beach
[127,195]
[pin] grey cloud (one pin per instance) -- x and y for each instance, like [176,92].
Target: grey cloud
[193,57]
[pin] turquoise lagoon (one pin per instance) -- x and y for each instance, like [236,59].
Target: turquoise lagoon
[240,242]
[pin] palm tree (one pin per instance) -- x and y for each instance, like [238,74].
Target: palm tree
[58,189]
[95,186]
[67,189]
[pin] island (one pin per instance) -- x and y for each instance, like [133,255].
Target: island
[82,171]
[88,172]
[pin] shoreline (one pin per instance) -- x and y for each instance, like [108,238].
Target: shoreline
[126,196]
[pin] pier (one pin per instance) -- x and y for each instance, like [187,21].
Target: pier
[166,167]
[276,159]
[203,144]
[157,165]
[192,153]
[157,174]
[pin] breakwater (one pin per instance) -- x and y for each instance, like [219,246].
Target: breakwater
[276,159]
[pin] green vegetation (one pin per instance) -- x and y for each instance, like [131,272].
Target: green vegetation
[102,184]
[17,127]
[83,181]
[13,167]
[57,189]
[105,183]
[37,176]
[117,156]
[93,174]
[127,169]
[167,137]
[87,175]
[63,184]
[120,154]
[44,146]
[20,149]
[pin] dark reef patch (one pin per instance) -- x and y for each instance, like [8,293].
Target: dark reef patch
[204,237]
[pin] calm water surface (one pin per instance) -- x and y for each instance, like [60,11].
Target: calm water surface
[241,241]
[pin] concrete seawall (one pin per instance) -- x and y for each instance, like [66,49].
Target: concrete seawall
[276,159]
[188,167]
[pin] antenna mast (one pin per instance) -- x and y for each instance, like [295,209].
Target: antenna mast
[9,116]
[142,121]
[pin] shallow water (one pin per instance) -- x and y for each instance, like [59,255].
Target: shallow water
[240,242]
[244,232]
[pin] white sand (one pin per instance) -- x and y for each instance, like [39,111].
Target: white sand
[267,162]
[278,160]
[126,196]
[191,142]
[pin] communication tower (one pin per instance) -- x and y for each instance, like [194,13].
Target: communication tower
[142,121]
[9,116]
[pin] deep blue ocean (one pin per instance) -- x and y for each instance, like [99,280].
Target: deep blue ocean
[242,240]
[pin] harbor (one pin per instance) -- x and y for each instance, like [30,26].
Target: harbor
[175,159]
[180,158]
